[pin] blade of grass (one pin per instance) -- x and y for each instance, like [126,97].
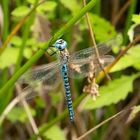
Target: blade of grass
[5,33]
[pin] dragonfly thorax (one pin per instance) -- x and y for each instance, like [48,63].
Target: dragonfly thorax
[64,56]
[61,44]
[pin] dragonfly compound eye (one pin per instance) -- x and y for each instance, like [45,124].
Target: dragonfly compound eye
[61,44]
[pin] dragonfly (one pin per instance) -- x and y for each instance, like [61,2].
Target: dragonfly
[77,65]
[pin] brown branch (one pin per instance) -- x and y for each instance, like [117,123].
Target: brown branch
[107,69]
[115,9]
[121,12]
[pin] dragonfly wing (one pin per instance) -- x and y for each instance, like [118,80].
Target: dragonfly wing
[84,53]
[48,75]
[30,91]
[81,68]
[33,89]
[103,48]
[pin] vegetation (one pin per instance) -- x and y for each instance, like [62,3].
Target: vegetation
[28,29]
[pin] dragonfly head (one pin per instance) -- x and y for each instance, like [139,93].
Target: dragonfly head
[60,44]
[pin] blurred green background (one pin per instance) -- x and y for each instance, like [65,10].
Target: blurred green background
[46,114]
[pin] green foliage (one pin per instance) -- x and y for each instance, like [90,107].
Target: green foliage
[132,58]
[20,11]
[72,5]
[36,35]
[40,103]
[56,97]
[47,6]
[9,57]
[128,23]
[54,133]
[16,41]
[112,93]
[31,1]
[19,114]
[136,18]
[102,28]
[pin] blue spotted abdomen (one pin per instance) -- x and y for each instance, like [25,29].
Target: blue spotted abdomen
[68,93]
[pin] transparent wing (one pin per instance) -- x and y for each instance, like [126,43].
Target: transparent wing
[40,72]
[81,68]
[31,90]
[103,49]
[83,61]
[47,76]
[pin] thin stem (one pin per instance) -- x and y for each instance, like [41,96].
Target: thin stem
[10,106]
[121,12]
[115,9]
[121,119]
[6,23]
[28,112]
[42,50]
[94,43]
[102,123]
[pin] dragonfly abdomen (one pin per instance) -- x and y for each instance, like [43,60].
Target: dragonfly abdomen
[68,92]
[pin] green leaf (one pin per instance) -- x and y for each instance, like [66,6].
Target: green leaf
[112,93]
[132,58]
[20,11]
[18,114]
[32,43]
[47,6]
[136,18]
[28,53]
[102,28]
[72,5]
[31,1]
[131,32]
[9,57]
[16,41]
[54,133]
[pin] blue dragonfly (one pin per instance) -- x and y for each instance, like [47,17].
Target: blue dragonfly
[78,65]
